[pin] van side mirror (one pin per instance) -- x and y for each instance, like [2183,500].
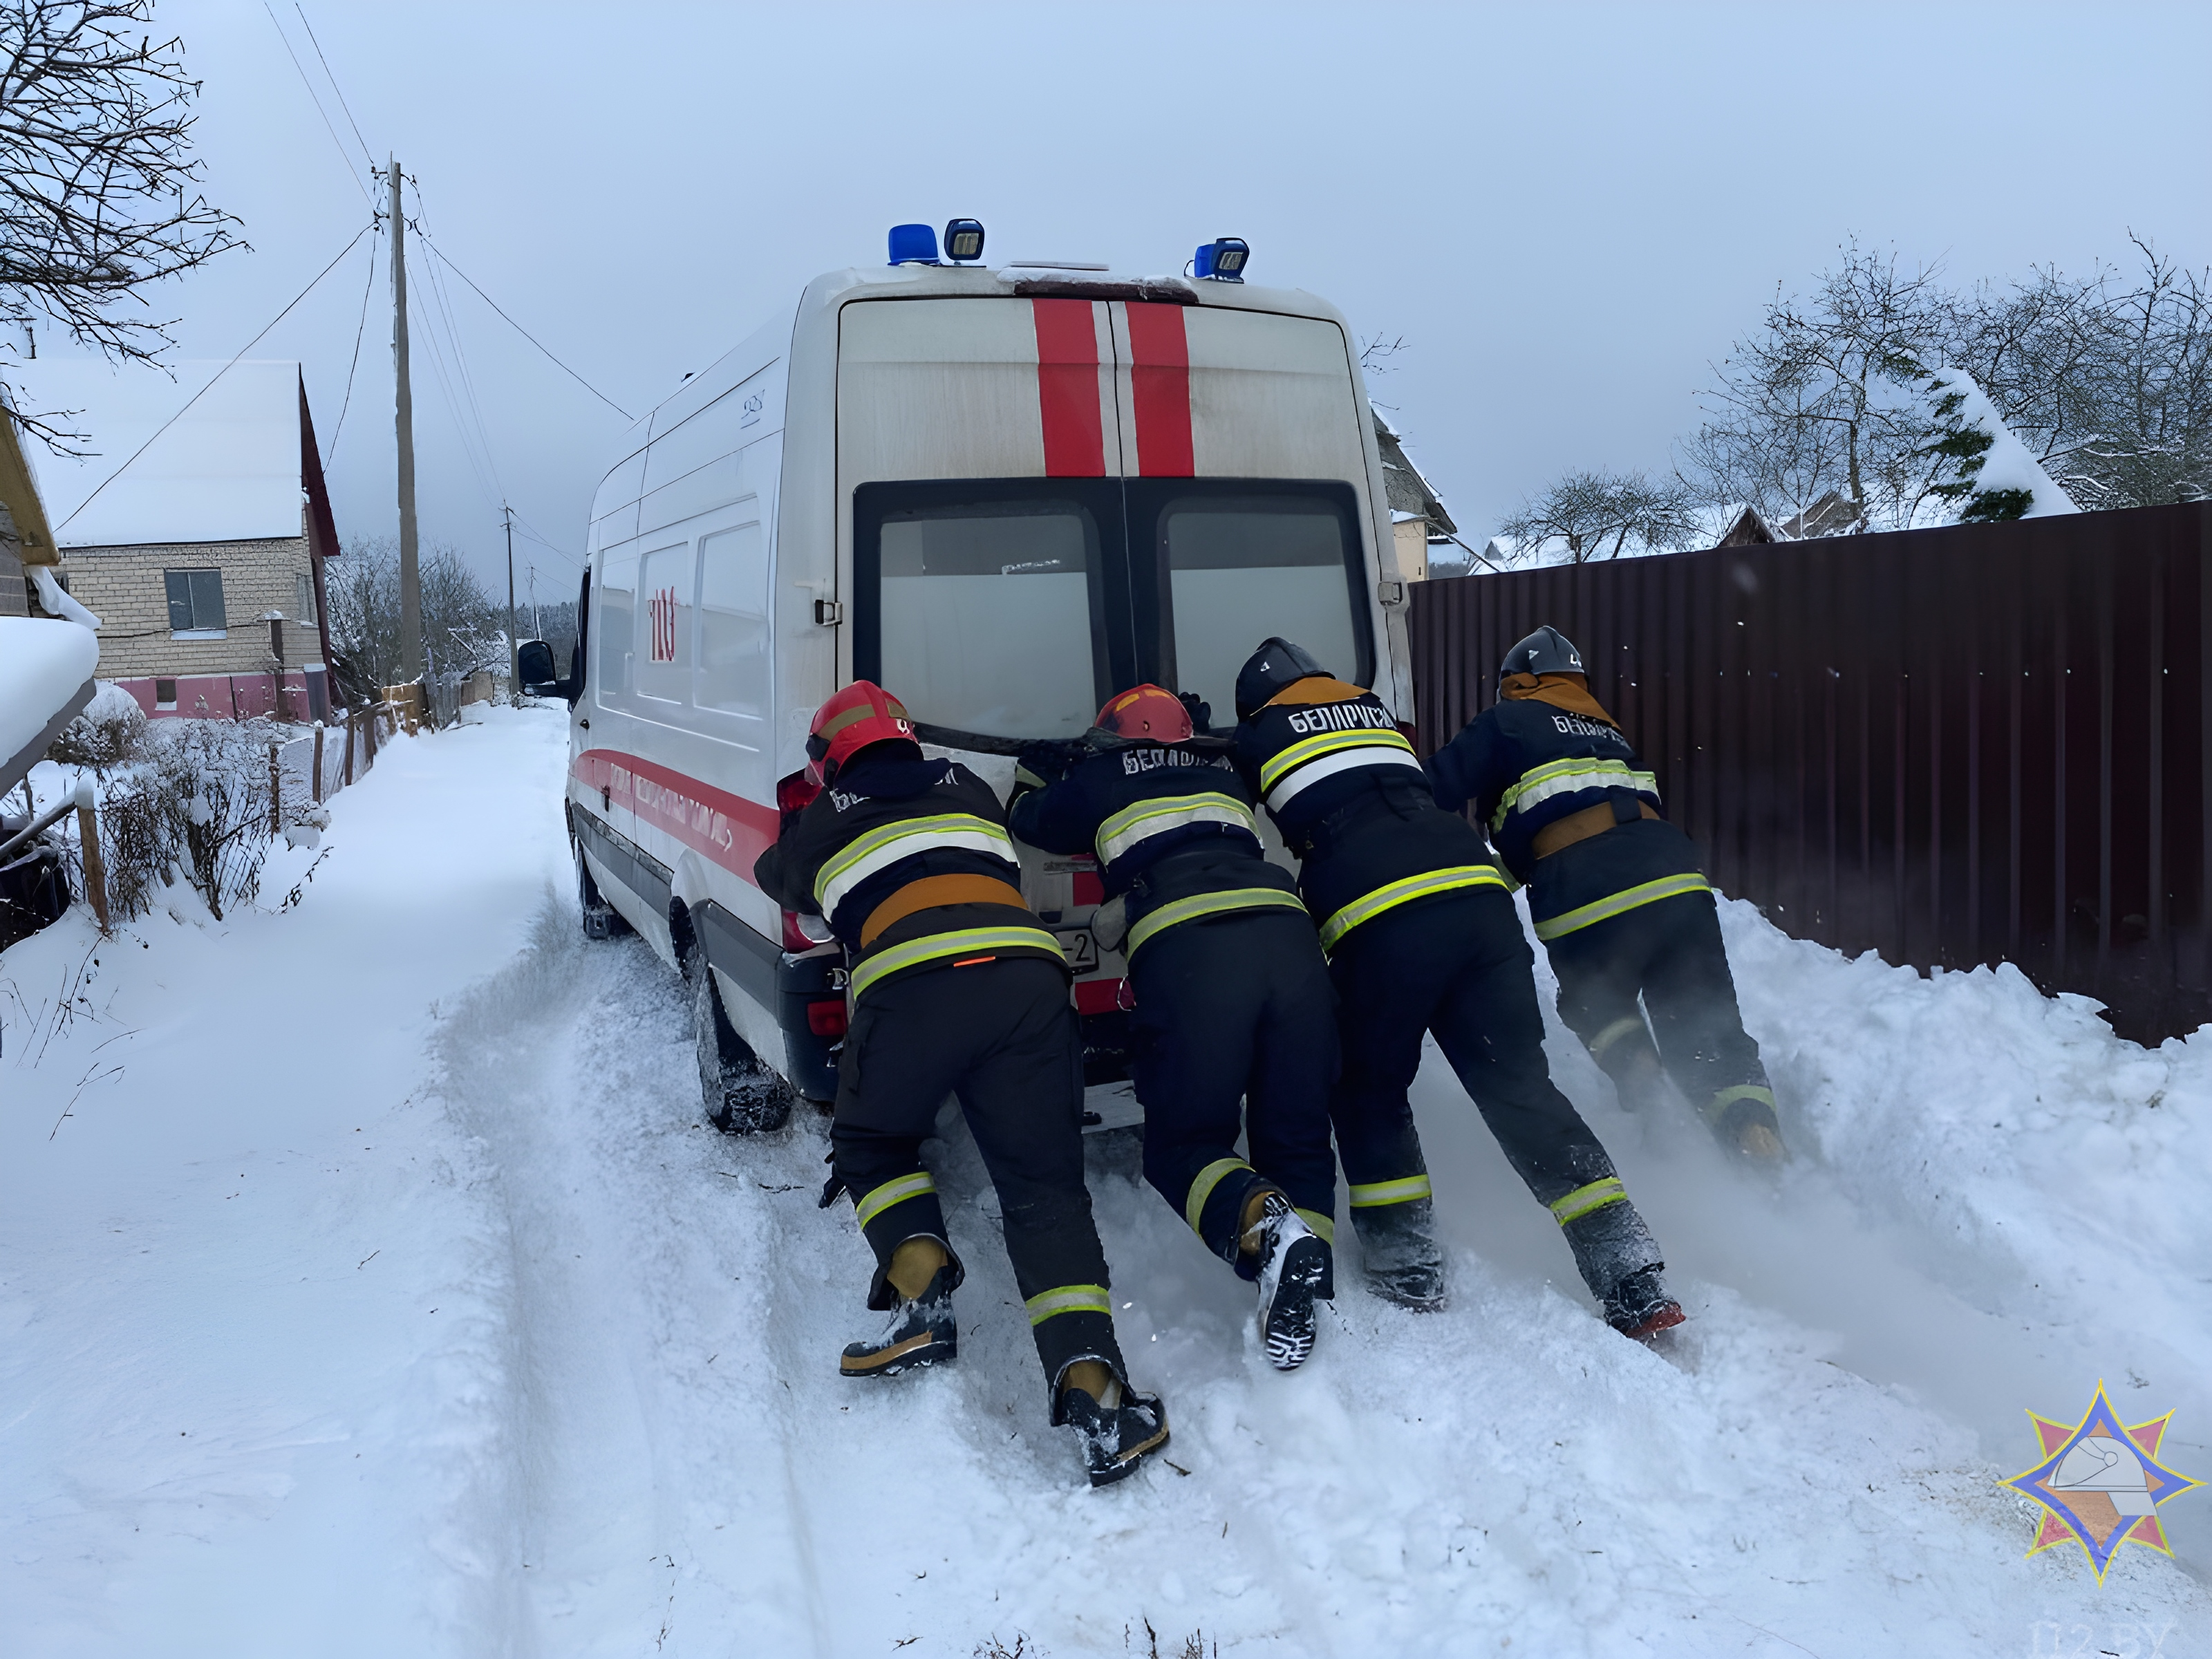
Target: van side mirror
[533,660]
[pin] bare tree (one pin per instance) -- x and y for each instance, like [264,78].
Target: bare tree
[461,622]
[99,190]
[1600,515]
[1825,395]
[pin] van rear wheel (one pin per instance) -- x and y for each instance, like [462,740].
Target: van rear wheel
[741,1094]
[601,919]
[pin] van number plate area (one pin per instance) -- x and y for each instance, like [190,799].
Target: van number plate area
[1082,952]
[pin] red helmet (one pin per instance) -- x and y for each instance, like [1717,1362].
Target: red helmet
[1146,712]
[862,714]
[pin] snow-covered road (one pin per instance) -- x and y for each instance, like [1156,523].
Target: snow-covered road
[391,1298]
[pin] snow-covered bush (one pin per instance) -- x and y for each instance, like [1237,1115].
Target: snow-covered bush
[1981,466]
[108,731]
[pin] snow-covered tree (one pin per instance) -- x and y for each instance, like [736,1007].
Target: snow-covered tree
[1982,469]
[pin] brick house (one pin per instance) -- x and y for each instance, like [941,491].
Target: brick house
[202,552]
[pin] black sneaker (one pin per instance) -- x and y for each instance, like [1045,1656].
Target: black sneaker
[1639,1307]
[1294,1271]
[1116,1437]
[921,1332]
[1398,1254]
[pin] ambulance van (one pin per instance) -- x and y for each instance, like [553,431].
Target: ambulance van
[1003,494]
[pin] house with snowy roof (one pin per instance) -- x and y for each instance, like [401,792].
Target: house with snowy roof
[196,532]
[1417,517]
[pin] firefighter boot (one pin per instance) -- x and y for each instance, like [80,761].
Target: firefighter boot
[1294,1271]
[1399,1254]
[1619,1259]
[1119,1427]
[922,1329]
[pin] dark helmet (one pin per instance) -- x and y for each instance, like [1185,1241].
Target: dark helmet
[1276,664]
[1547,651]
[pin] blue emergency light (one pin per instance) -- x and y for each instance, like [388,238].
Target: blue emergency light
[963,239]
[1222,260]
[914,245]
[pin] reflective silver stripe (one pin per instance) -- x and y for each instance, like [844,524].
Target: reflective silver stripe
[1596,1196]
[1147,818]
[1627,1026]
[1069,1298]
[1728,1098]
[1369,906]
[1209,904]
[1322,1226]
[1293,755]
[1211,1176]
[880,849]
[891,1193]
[1628,898]
[1328,766]
[1565,777]
[1377,1193]
[960,942]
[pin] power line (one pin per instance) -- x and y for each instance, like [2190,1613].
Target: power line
[360,329]
[316,100]
[448,259]
[218,374]
[335,87]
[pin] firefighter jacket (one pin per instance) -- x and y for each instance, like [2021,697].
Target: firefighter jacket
[1171,828]
[1352,802]
[1526,764]
[910,862]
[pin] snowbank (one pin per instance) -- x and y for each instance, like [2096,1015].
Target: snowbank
[431,1321]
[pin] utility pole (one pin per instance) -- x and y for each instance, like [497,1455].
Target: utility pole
[410,583]
[514,650]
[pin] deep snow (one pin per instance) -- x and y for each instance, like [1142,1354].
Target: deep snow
[367,1286]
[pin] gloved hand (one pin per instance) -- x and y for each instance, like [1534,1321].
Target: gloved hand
[1039,765]
[1201,712]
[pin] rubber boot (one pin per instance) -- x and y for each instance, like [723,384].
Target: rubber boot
[922,1329]
[1119,1427]
[1620,1261]
[1294,1271]
[1399,1254]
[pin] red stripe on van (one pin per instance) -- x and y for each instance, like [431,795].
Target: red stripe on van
[727,828]
[1067,389]
[1160,380]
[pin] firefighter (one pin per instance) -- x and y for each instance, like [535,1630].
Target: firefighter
[954,990]
[1614,890]
[1422,936]
[1235,1024]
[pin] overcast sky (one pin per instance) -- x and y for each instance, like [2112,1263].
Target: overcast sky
[1566,212]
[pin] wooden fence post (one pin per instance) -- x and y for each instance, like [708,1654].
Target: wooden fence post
[353,723]
[95,868]
[317,796]
[275,819]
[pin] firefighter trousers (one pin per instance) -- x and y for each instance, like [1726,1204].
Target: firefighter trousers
[1670,953]
[1457,965]
[1236,1028]
[1000,1036]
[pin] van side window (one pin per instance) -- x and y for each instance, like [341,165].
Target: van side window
[733,633]
[618,603]
[660,656]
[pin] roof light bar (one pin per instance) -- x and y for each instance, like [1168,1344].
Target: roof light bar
[1223,259]
[914,245]
[963,240]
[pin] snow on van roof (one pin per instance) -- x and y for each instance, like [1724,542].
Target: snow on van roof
[227,468]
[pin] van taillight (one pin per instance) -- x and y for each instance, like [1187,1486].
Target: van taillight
[826,1019]
[792,938]
[795,792]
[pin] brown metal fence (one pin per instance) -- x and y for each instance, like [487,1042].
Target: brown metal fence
[1980,744]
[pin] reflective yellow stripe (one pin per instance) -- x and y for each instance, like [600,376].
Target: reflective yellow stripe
[1627,899]
[879,848]
[1376,1194]
[1565,777]
[1323,1227]
[1306,749]
[1629,1025]
[1728,1098]
[1208,904]
[1069,1298]
[1369,906]
[1157,816]
[891,1193]
[1202,1188]
[1596,1196]
[961,942]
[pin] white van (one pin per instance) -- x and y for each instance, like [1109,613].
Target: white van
[1003,495]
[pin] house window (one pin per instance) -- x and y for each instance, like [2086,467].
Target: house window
[196,605]
[303,600]
[165,694]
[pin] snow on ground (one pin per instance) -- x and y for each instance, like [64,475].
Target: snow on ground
[368,1286]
